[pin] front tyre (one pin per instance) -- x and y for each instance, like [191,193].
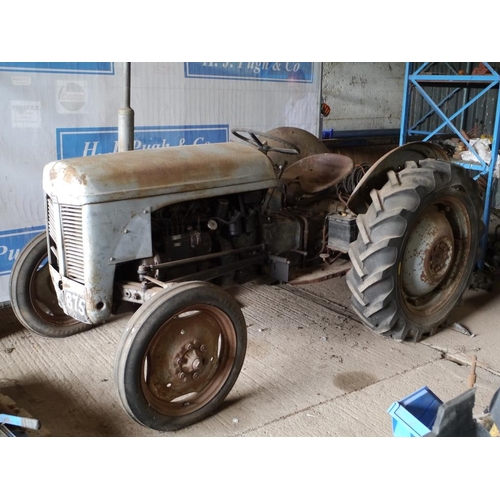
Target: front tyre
[416,250]
[33,297]
[180,356]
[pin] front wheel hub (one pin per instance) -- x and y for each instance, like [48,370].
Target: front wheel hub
[192,362]
[428,255]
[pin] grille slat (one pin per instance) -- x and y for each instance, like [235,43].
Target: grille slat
[72,226]
[51,219]
[74,257]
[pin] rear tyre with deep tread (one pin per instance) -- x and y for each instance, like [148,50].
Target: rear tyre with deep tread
[417,247]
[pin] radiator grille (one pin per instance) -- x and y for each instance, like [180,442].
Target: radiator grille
[71,218]
[51,220]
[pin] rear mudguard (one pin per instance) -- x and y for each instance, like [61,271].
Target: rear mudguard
[395,160]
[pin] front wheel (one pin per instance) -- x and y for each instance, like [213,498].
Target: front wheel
[416,250]
[33,297]
[180,356]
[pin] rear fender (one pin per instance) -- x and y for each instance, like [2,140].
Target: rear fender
[395,160]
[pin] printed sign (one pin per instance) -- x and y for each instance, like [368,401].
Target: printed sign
[25,114]
[77,142]
[96,68]
[12,242]
[269,71]
[21,80]
[71,96]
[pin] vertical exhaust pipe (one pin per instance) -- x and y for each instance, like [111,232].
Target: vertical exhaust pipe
[126,117]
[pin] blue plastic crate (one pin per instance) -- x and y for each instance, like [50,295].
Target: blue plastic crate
[414,415]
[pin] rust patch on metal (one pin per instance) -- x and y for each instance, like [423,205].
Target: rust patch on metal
[436,258]
[166,170]
[69,174]
[53,172]
[445,259]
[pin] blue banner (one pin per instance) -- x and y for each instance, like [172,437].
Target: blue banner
[95,68]
[12,242]
[268,71]
[77,142]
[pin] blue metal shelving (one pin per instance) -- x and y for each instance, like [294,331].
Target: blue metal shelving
[449,106]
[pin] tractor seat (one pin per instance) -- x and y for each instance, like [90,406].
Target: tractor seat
[318,172]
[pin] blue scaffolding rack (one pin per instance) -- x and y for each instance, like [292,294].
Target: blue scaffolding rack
[422,77]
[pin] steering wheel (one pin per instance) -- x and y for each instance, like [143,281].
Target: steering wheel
[253,138]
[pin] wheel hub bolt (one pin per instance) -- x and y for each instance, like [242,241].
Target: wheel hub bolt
[189,347]
[203,348]
[196,375]
[182,375]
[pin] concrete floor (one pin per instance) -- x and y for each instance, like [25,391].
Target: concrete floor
[311,369]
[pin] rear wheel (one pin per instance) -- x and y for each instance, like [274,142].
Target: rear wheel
[33,297]
[180,355]
[416,250]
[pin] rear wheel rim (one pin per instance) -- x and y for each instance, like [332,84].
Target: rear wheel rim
[432,271]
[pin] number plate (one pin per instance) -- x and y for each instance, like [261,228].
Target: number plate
[75,306]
